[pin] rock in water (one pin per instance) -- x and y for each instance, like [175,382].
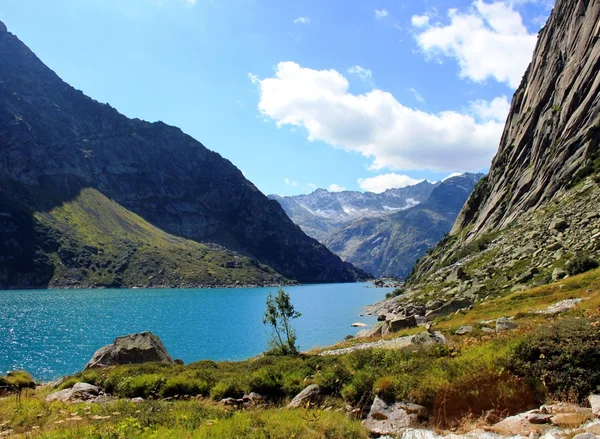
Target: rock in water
[310,395]
[393,419]
[130,349]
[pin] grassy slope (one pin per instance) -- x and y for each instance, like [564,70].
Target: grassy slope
[104,244]
[469,375]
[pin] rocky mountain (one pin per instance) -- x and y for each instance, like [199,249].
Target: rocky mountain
[389,245]
[89,197]
[537,211]
[322,213]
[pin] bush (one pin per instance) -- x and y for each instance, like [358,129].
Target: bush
[184,385]
[334,379]
[581,265]
[360,388]
[267,382]
[227,388]
[385,388]
[18,380]
[562,358]
[141,386]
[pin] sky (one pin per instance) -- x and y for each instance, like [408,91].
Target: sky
[336,94]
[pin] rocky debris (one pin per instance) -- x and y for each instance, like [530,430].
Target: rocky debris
[131,349]
[560,307]
[558,274]
[457,274]
[80,392]
[247,401]
[396,343]
[402,323]
[594,401]
[309,396]
[394,418]
[527,275]
[558,224]
[428,338]
[505,324]
[449,307]
[464,330]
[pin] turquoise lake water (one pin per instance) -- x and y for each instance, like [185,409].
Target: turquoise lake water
[52,333]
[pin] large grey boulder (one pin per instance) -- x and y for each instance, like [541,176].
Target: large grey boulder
[505,324]
[144,347]
[78,393]
[595,404]
[393,419]
[448,308]
[402,323]
[428,338]
[311,395]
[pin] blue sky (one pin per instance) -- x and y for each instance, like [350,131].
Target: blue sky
[356,94]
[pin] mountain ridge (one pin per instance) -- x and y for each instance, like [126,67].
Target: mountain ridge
[57,142]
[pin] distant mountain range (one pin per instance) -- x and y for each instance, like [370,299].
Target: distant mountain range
[384,234]
[90,198]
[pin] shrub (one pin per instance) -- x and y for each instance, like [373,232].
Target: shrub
[562,358]
[360,388]
[184,385]
[18,380]
[334,379]
[267,382]
[227,388]
[139,386]
[385,388]
[581,265]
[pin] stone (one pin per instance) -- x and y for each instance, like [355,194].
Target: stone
[554,246]
[78,393]
[527,275]
[558,224]
[505,324]
[539,418]
[309,396]
[402,323]
[464,330]
[487,330]
[518,425]
[393,418]
[448,308]
[594,401]
[428,338]
[457,274]
[359,325]
[586,436]
[137,400]
[131,349]
[558,274]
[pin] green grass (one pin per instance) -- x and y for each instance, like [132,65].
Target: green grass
[104,244]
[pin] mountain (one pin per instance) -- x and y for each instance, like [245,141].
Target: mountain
[537,211]
[322,213]
[89,197]
[391,244]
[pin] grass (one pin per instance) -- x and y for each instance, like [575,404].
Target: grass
[104,244]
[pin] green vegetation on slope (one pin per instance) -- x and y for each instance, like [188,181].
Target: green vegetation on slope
[103,244]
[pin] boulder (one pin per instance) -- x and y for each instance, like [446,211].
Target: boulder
[586,436]
[558,274]
[393,419]
[311,395]
[464,330]
[448,308]
[595,404]
[131,349]
[504,324]
[428,338]
[519,425]
[402,323]
[78,393]
[457,274]
[558,224]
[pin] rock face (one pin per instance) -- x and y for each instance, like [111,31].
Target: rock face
[56,143]
[311,395]
[391,244]
[79,392]
[394,419]
[131,349]
[322,213]
[538,206]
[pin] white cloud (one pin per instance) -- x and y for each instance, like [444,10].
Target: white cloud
[496,109]
[383,182]
[381,13]
[336,188]
[302,20]
[417,95]
[365,75]
[489,41]
[191,2]
[290,182]
[454,174]
[419,20]
[375,124]
[312,185]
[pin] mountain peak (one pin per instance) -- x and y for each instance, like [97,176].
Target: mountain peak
[3,27]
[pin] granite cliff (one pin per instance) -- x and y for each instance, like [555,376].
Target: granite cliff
[84,189]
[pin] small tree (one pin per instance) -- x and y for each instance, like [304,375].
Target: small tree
[278,315]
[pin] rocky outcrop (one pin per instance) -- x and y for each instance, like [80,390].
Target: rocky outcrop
[56,143]
[395,418]
[390,245]
[144,347]
[550,144]
[80,392]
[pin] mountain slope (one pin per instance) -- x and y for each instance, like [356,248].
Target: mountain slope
[537,211]
[322,213]
[391,244]
[55,142]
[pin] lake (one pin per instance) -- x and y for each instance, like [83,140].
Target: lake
[52,333]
